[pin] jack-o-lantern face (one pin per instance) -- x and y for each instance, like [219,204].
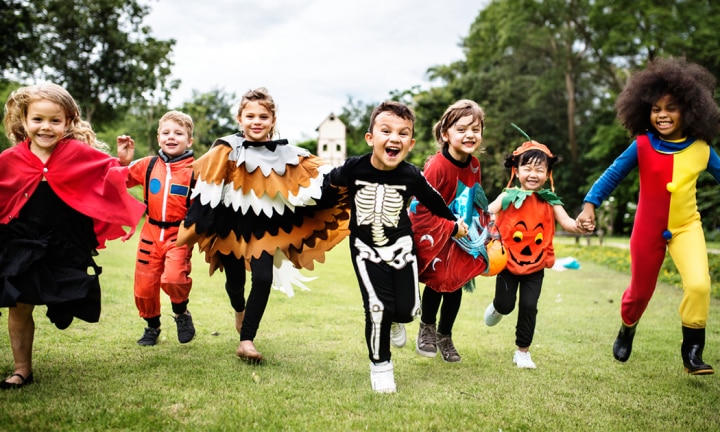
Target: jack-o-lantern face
[526,245]
[527,233]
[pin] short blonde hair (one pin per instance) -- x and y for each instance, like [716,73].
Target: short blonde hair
[180,118]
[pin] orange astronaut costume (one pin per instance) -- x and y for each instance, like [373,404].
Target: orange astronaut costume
[161,264]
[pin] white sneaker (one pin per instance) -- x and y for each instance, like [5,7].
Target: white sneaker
[523,360]
[492,316]
[382,377]
[398,335]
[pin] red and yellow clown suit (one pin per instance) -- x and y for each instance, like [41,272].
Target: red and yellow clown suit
[667,218]
[161,263]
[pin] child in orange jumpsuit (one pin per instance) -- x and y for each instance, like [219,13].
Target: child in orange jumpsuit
[161,264]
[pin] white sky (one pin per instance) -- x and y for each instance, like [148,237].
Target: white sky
[310,54]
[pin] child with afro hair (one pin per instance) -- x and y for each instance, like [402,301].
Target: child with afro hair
[669,109]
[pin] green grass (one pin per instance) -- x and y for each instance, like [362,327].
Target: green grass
[94,377]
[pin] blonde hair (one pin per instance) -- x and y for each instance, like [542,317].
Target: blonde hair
[180,118]
[16,109]
[456,111]
[261,96]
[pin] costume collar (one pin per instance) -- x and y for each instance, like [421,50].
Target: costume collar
[516,196]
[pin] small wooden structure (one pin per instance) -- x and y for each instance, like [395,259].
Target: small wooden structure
[332,146]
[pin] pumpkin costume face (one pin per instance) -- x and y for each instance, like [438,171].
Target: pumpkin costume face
[528,227]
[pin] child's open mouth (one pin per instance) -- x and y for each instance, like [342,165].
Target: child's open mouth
[392,152]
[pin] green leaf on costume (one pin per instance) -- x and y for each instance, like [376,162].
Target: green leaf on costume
[516,197]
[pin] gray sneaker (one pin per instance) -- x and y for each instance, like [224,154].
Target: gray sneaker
[447,349]
[150,337]
[185,327]
[426,343]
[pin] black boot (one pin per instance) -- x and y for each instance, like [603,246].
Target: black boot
[692,349]
[623,343]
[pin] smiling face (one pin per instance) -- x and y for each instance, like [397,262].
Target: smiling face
[666,118]
[463,138]
[45,124]
[173,138]
[533,174]
[257,121]
[391,140]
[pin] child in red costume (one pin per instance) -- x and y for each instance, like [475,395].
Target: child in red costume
[62,198]
[161,264]
[444,266]
[670,109]
[526,219]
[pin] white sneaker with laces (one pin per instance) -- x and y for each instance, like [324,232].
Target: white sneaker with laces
[522,360]
[382,377]
[492,316]
[398,335]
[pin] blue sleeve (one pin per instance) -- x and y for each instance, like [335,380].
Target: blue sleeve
[714,165]
[612,176]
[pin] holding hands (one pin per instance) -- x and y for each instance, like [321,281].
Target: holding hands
[462,229]
[586,219]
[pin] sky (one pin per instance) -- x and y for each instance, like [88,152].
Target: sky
[312,55]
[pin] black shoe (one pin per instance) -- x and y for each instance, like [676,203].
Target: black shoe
[150,337]
[4,385]
[185,327]
[623,343]
[691,350]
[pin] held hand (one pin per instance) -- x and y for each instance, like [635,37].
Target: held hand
[462,229]
[125,149]
[586,219]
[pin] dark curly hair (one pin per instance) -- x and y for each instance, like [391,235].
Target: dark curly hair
[690,85]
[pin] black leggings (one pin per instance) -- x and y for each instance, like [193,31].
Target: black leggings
[261,281]
[389,292]
[431,300]
[506,290]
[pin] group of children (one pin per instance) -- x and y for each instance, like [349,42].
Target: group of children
[258,204]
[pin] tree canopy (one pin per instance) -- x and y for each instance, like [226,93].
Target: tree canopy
[99,50]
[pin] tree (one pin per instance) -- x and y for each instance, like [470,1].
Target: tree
[212,115]
[356,116]
[17,39]
[112,62]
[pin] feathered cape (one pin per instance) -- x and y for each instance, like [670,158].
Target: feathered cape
[252,198]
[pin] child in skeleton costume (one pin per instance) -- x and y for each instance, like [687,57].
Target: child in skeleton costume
[669,108]
[258,206]
[380,185]
[445,265]
[526,218]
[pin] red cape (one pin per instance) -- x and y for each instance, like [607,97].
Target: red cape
[85,178]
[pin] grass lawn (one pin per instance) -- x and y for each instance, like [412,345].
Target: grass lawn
[94,377]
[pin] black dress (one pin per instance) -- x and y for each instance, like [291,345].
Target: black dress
[46,259]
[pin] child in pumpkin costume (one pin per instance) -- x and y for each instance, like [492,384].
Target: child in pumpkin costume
[526,219]
[669,106]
